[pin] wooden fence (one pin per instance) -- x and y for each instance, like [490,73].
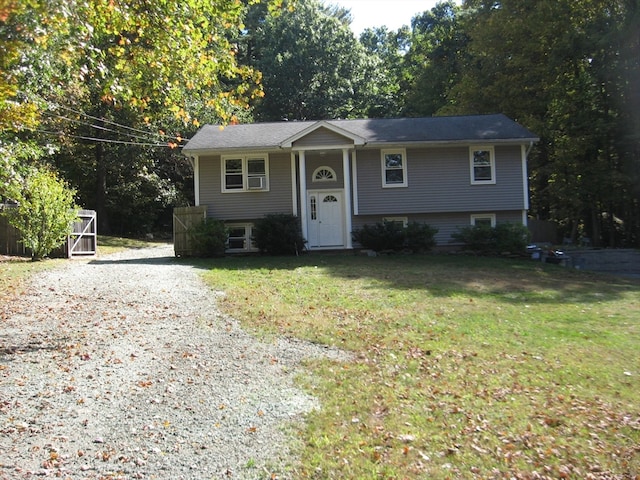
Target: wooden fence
[543,231]
[183,219]
[10,243]
[82,241]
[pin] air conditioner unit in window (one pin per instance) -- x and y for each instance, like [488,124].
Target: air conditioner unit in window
[256,183]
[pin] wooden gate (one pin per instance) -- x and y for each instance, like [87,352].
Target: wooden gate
[183,219]
[82,241]
[84,236]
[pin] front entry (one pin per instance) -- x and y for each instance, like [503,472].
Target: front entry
[326,219]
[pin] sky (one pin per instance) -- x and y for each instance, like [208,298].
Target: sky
[376,13]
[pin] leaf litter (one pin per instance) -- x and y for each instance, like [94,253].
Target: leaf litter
[117,368]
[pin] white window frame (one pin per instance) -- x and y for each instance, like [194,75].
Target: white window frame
[245,159]
[334,177]
[483,216]
[248,233]
[492,164]
[394,151]
[402,220]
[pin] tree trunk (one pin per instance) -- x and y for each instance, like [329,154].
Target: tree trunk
[101,191]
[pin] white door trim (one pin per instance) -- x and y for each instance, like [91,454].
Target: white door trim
[313,228]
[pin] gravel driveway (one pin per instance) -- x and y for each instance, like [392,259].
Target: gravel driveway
[122,367]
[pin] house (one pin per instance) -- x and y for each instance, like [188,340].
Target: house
[337,175]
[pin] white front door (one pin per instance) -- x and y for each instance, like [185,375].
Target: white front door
[326,219]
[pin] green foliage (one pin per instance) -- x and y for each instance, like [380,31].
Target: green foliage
[380,236]
[511,237]
[45,212]
[279,234]
[18,39]
[327,73]
[208,238]
[384,236]
[419,237]
[14,158]
[484,239]
[158,69]
[386,50]
[433,63]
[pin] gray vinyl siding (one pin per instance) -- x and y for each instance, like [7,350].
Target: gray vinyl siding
[332,159]
[446,224]
[322,137]
[439,181]
[246,205]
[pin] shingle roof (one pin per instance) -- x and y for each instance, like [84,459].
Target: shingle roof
[470,128]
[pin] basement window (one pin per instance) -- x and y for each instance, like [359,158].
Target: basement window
[239,238]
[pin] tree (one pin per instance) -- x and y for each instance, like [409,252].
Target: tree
[155,59]
[158,68]
[16,112]
[312,65]
[434,60]
[44,213]
[13,159]
[562,68]
[385,52]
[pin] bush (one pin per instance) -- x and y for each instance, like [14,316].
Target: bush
[382,236]
[511,237]
[208,238]
[477,238]
[420,237]
[45,213]
[279,234]
[504,237]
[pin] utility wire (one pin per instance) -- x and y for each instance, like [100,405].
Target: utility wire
[97,127]
[146,132]
[110,122]
[106,140]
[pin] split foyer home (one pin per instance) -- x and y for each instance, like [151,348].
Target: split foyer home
[337,175]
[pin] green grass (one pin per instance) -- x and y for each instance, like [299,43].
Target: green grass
[464,367]
[108,244]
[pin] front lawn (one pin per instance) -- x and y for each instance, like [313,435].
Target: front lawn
[464,367]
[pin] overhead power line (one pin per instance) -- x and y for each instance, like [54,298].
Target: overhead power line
[147,135]
[112,141]
[116,124]
[98,127]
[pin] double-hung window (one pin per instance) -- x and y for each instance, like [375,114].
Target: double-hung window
[394,168]
[245,173]
[483,165]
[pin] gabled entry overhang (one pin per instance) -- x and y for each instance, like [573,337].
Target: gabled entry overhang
[322,136]
[348,140]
